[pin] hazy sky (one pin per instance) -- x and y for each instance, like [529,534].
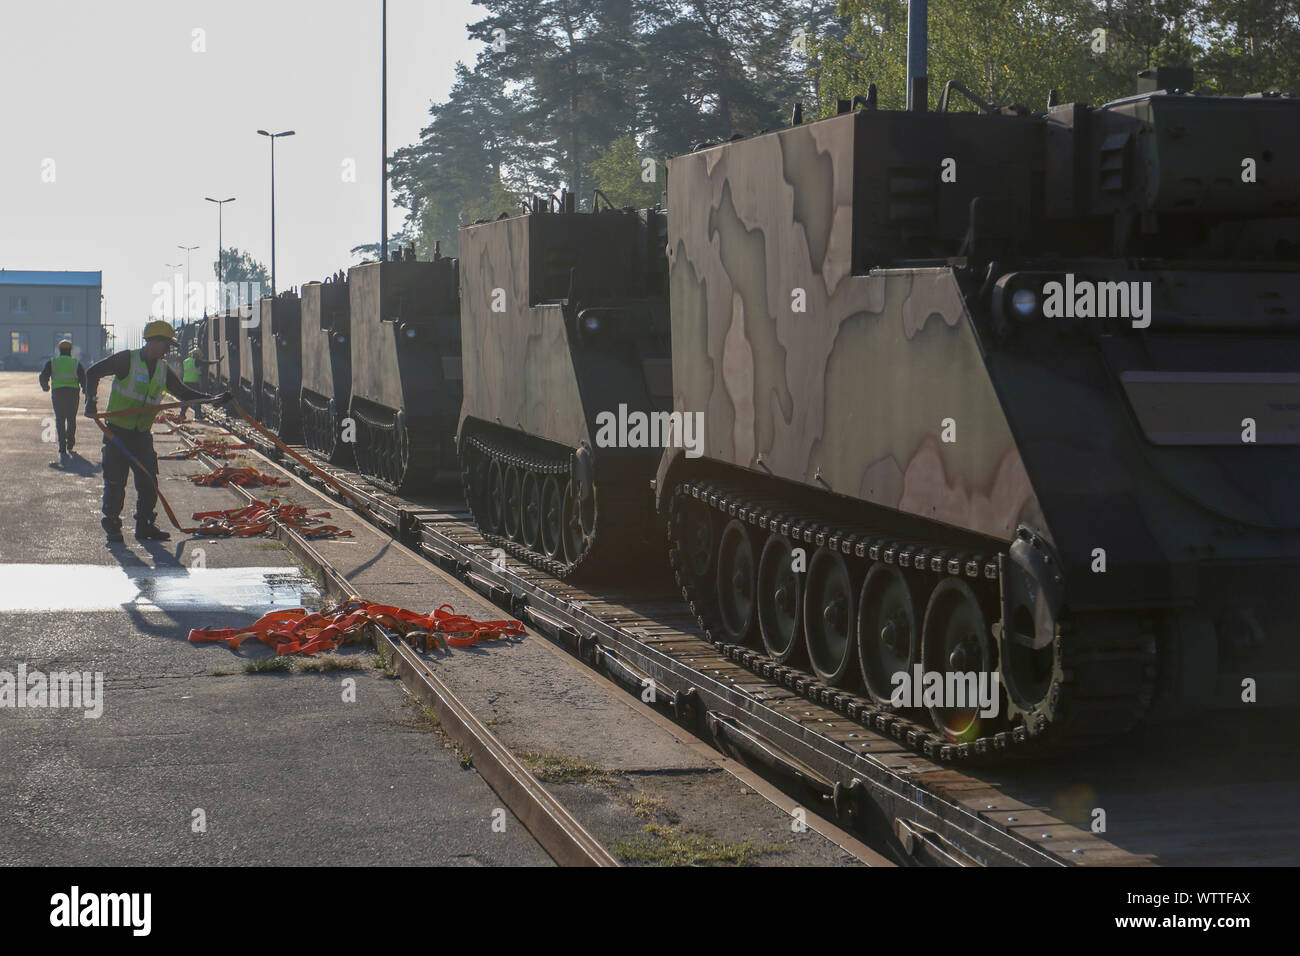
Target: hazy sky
[140,127]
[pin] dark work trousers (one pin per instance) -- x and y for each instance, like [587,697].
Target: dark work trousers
[66,402]
[116,467]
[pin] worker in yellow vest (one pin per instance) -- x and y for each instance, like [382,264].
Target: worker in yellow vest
[140,376]
[64,378]
[190,375]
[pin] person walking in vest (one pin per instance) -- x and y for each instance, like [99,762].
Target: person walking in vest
[64,378]
[190,376]
[140,376]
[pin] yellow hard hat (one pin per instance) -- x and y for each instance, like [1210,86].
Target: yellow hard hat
[160,330]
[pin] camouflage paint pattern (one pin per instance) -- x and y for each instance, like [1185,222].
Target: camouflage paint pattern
[249,393]
[854,393]
[518,366]
[416,375]
[326,362]
[1095,435]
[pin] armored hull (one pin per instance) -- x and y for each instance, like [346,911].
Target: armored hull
[326,366]
[249,339]
[281,348]
[565,332]
[405,362]
[916,455]
[223,350]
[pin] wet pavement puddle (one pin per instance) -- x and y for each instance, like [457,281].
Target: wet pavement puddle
[97,587]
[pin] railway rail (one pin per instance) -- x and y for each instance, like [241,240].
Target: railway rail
[868,776]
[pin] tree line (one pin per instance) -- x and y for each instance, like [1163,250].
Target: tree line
[596,94]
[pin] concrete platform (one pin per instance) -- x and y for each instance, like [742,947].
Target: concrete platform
[282,768]
[286,771]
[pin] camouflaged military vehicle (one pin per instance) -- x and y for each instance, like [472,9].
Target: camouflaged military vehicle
[248,329]
[280,340]
[997,393]
[326,366]
[405,358]
[564,328]
[223,347]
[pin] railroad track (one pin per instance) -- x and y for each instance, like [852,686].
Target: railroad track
[868,767]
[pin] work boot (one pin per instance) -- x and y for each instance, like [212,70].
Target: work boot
[150,532]
[113,529]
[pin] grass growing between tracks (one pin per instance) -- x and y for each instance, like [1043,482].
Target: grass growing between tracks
[316,664]
[672,845]
[561,768]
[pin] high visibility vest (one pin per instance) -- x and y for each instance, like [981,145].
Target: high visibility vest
[190,370]
[138,390]
[64,368]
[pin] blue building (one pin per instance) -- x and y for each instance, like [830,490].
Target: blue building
[39,309]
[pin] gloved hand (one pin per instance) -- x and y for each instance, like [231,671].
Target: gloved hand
[91,409]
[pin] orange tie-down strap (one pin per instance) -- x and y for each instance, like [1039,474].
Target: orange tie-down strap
[296,631]
[213,447]
[260,517]
[244,477]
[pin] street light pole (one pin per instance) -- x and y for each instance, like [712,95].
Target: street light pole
[172,265]
[188,250]
[273,137]
[221,250]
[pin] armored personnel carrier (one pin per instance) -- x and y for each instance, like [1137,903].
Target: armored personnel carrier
[566,359]
[248,329]
[281,355]
[998,396]
[405,348]
[326,366]
[223,341]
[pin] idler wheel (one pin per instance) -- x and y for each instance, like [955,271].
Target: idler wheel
[956,638]
[780,601]
[530,511]
[496,498]
[554,491]
[511,515]
[888,640]
[695,534]
[829,618]
[735,583]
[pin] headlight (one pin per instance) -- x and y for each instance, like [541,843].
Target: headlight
[591,323]
[410,333]
[1024,302]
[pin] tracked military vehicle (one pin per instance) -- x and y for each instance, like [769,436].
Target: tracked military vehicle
[565,334]
[224,334]
[281,355]
[326,366]
[997,393]
[248,328]
[405,348]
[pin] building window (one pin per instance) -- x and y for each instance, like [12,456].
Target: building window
[18,304]
[18,343]
[63,305]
